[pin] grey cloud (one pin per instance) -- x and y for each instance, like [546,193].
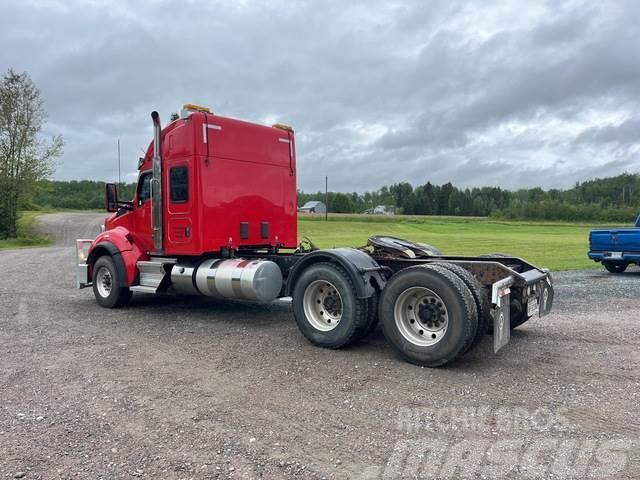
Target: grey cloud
[475,93]
[625,133]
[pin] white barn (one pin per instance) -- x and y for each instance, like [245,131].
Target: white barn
[314,206]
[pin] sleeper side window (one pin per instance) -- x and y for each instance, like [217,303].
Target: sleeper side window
[179,184]
[144,188]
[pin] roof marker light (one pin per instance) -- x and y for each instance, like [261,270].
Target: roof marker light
[282,126]
[197,108]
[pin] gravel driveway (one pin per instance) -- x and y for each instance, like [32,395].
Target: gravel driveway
[197,388]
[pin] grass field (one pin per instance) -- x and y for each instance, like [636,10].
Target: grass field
[26,235]
[558,246]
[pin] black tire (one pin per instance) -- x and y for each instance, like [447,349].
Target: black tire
[480,296]
[468,296]
[460,307]
[517,315]
[110,293]
[353,318]
[372,315]
[615,267]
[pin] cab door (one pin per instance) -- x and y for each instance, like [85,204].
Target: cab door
[180,201]
[142,205]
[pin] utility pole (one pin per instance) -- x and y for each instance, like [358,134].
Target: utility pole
[326,198]
[119,180]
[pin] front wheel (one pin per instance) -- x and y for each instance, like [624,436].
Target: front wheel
[615,267]
[107,286]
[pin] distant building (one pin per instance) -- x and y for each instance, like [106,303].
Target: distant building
[381,210]
[314,206]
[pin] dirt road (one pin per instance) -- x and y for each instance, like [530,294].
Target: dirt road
[196,388]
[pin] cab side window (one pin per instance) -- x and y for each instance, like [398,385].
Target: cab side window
[144,188]
[179,184]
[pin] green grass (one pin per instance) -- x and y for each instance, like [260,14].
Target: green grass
[556,245]
[27,237]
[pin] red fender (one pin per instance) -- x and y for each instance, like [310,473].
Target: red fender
[119,243]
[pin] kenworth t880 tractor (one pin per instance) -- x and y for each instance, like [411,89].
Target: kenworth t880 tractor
[215,214]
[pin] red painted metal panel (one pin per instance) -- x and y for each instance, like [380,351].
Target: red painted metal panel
[121,237]
[237,172]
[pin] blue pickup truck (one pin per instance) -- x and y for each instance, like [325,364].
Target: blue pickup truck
[616,248]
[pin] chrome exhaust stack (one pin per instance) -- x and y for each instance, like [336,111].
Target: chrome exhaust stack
[156,186]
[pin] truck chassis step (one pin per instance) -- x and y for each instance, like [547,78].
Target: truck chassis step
[143,289]
[152,273]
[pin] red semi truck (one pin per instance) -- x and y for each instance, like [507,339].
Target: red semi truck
[215,214]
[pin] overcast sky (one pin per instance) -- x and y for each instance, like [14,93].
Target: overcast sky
[519,93]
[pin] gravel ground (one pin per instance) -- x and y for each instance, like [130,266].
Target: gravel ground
[196,388]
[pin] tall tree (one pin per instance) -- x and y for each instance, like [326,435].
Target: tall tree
[25,157]
[402,195]
[341,204]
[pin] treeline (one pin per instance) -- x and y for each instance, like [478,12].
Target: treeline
[75,195]
[613,199]
[606,199]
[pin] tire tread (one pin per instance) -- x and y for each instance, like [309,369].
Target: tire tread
[465,292]
[483,306]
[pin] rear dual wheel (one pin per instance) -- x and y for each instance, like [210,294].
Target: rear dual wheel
[428,314]
[326,308]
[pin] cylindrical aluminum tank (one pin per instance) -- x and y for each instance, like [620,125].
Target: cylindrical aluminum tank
[182,278]
[238,278]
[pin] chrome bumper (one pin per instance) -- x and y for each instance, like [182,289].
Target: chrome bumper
[83,279]
[82,268]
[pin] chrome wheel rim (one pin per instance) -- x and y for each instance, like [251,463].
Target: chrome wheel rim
[104,282]
[322,305]
[421,316]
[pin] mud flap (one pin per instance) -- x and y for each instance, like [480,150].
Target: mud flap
[500,311]
[546,298]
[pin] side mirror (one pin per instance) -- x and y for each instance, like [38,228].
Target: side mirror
[111,197]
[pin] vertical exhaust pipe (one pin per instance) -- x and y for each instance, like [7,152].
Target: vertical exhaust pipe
[156,186]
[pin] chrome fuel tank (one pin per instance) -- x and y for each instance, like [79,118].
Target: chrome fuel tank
[238,278]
